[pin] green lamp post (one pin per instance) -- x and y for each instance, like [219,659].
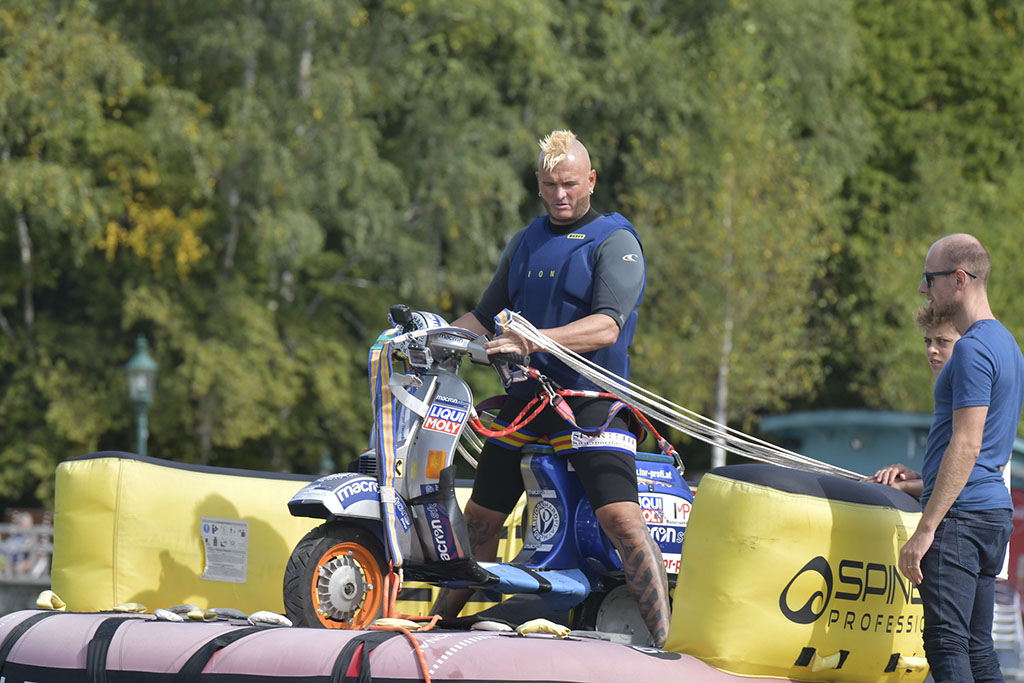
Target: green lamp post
[141,371]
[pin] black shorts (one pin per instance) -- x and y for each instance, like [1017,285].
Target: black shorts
[605,463]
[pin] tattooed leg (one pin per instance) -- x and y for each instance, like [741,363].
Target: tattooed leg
[642,564]
[484,527]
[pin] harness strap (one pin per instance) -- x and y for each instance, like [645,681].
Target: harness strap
[99,645]
[193,668]
[17,632]
[347,669]
[555,398]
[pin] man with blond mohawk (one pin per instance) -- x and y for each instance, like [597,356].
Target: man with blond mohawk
[578,276]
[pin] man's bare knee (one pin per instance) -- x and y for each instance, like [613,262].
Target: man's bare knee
[622,520]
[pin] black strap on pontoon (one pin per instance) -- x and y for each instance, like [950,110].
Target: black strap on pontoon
[96,653]
[17,632]
[369,641]
[192,669]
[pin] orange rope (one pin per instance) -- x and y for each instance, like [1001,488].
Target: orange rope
[521,420]
[415,646]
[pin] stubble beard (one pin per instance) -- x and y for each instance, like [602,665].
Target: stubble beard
[948,310]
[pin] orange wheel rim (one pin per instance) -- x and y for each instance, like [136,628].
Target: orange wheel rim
[347,582]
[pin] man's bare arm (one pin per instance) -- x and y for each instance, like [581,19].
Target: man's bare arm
[957,463]
[595,331]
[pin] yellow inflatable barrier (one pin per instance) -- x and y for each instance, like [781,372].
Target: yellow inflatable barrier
[794,575]
[138,529]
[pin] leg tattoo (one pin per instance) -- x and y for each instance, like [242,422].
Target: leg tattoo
[647,583]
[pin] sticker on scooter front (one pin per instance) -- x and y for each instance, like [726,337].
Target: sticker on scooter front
[661,509]
[653,509]
[655,474]
[356,491]
[545,522]
[668,538]
[444,419]
[441,533]
[451,401]
[403,514]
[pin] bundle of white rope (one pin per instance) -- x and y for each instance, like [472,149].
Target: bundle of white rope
[686,421]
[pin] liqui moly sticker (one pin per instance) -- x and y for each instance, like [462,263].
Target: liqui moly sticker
[444,419]
[661,509]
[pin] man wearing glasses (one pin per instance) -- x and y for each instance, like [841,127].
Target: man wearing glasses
[957,549]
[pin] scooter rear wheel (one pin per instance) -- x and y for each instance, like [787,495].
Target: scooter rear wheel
[335,578]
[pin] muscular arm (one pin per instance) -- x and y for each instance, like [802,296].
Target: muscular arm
[586,334]
[957,463]
[469,322]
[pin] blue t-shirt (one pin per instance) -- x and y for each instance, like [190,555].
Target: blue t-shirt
[986,369]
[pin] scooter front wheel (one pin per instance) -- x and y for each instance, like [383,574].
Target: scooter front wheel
[335,578]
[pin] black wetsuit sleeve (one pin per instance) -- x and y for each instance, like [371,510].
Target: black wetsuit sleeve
[495,297]
[619,273]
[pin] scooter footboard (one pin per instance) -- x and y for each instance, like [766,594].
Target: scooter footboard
[561,589]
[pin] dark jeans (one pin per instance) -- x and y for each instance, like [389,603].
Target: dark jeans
[958,595]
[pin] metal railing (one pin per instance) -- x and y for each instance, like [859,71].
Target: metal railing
[25,553]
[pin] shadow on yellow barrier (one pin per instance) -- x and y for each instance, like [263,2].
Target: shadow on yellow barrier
[131,529]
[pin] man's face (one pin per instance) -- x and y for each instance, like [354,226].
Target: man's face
[566,189]
[941,293]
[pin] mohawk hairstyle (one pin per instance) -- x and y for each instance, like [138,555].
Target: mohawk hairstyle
[555,148]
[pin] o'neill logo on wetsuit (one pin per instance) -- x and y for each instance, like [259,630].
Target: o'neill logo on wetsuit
[631,258]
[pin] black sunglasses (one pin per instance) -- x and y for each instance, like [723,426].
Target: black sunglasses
[928,277]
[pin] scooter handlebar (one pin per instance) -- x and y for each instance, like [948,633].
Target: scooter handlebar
[510,358]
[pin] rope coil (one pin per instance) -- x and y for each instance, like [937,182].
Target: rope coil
[686,421]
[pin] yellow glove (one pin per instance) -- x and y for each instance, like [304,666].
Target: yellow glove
[130,607]
[908,662]
[401,623]
[202,615]
[49,600]
[543,626]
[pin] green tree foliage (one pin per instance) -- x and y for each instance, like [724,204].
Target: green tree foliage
[252,183]
[76,177]
[947,99]
[742,200]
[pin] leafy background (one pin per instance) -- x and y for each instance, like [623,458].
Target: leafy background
[251,183]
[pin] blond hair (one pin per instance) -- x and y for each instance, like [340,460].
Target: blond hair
[555,148]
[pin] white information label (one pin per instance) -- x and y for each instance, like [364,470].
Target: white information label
[226,542]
